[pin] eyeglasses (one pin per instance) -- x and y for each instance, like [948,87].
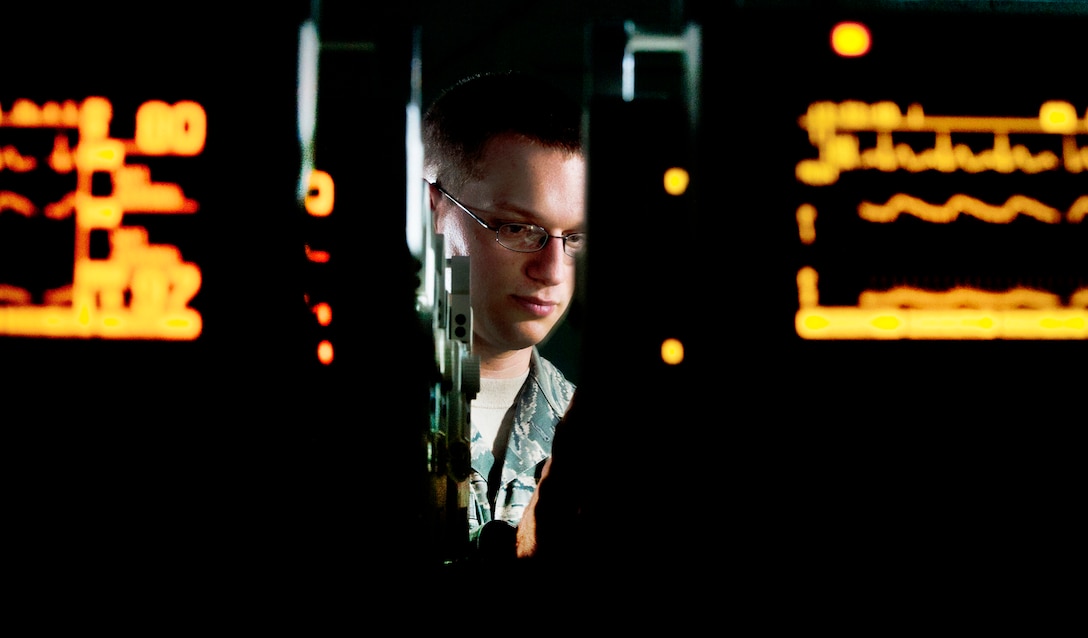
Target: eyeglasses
[524,238]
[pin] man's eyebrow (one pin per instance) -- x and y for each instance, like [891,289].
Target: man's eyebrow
[520,214]
[507,208]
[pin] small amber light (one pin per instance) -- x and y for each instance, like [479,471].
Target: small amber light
[324,313]
[676,181]
[324,352]
[317,256]
[850,39]
[672,351]
[322,194]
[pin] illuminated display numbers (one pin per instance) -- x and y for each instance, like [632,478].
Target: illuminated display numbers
[163,129]
[158,283]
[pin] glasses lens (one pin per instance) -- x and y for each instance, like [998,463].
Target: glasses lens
[524,238]
[574,243]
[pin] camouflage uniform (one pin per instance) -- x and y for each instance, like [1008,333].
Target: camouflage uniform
[540,404]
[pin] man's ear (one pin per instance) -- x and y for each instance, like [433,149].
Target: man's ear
[433,196]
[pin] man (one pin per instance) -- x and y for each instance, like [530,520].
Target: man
[503,156]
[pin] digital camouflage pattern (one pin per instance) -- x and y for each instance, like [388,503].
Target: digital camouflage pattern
[540,404]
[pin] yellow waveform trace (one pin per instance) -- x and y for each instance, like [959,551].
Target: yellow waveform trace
[958,297]
[11,159]
[824,118]
[808,294]
[13,294]
[1075,159]
[1016,205]
[806,223]
[58,296]
[1078,210]
[832,130]
[61,322]
[62,208]
[26,113]
[17,203]
[958,314]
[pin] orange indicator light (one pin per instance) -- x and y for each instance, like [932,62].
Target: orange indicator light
[323,312]
[850,39]
[676,181]
[317,256]
[672,351]
[324,352]
[321,196]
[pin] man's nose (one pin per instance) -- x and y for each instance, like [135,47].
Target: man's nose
[548,263]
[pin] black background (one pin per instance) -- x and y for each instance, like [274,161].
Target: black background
[237,463]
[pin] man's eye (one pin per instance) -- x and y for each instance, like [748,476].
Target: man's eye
[517,230]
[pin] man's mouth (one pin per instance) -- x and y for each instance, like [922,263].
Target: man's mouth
[536,306]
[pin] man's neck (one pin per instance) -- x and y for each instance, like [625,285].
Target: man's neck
[505,365]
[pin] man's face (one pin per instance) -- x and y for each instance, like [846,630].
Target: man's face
[517,298]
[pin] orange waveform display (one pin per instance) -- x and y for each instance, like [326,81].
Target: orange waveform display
[833,129]
[140,290]
[958,311]
[960,204]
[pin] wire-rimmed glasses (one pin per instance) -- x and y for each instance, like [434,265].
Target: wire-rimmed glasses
[521,237]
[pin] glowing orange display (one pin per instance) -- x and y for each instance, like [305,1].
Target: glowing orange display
[959,312]
[142,290]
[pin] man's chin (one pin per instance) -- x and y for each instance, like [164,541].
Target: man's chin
[532,334]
